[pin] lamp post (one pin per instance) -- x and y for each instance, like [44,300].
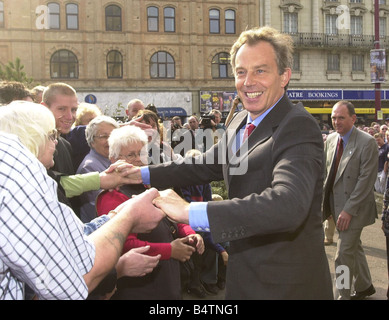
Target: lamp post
[378,113]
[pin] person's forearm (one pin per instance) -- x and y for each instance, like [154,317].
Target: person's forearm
[75,185]
[108,240]
[137,215]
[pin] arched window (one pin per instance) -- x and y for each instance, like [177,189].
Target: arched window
[221,66]
[162,65]
[113,18]
[54,15]
[230,21]
[64,65]
[152,19]
[114,65]
[72,16]
[170,19]
[214,21]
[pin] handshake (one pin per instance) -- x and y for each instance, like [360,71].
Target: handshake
[147,209]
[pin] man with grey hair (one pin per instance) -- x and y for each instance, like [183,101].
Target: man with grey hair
[133,107]
[97,133]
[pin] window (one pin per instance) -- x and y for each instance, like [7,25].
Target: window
[113,18]
[382,27]
[221,67]
[54,16]
[382,2]
[331,28]
[358,62]
[230,21]
[356,27]
[72,16]
[214,21]
[114,65]
[1,14]
[169,19]
[296,61]
[356,1]
[290,22]
[64,64]
[162,65]
[333,62]
[152,19]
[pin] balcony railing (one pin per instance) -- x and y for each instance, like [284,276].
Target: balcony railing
[336,41]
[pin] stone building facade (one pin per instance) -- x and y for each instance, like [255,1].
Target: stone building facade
[175,53]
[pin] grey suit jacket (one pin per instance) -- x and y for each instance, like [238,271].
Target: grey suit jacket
[273,220]
[354,182]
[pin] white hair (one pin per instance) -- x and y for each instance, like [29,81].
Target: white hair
[91,128]
[30,121]
[124,136]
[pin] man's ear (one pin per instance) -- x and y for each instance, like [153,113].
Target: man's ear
[286,77]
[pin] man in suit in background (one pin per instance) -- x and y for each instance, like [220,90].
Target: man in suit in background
[274,177]
[349,197]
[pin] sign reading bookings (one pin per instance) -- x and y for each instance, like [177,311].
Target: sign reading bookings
[335,95]
[357,110]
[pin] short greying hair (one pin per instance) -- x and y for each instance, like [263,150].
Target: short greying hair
[124,136]
[350,107]
[282,44]
[91,128]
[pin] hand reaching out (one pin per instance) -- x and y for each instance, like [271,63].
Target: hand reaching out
[118,174]
[135,263]
[181,250]
[197,241]
[140,210]
[173,205]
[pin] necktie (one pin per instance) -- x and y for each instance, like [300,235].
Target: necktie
[247,131]
[339,153]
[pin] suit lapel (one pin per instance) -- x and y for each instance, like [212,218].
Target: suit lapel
[232,132]
[347,154]
[261,134]
[332,144]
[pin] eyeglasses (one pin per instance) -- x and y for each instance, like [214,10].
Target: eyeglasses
[102,136]
[53,135]
[133,155]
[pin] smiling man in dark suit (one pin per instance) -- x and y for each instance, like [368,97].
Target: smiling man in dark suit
[274,177]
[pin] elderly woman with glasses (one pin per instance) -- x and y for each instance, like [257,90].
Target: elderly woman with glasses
[174,242]
[34,127]
[97,133]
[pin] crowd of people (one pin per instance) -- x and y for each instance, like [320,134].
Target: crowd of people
[82,154]
[125,210]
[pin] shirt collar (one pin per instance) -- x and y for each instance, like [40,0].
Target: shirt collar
[346,137]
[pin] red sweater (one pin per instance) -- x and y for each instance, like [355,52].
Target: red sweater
[108,201]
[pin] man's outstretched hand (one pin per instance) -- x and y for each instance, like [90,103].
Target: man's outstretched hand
[176,208]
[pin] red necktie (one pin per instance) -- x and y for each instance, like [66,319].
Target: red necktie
[249,129]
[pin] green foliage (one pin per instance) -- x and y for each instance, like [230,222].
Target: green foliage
[13,71]
[219,187]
